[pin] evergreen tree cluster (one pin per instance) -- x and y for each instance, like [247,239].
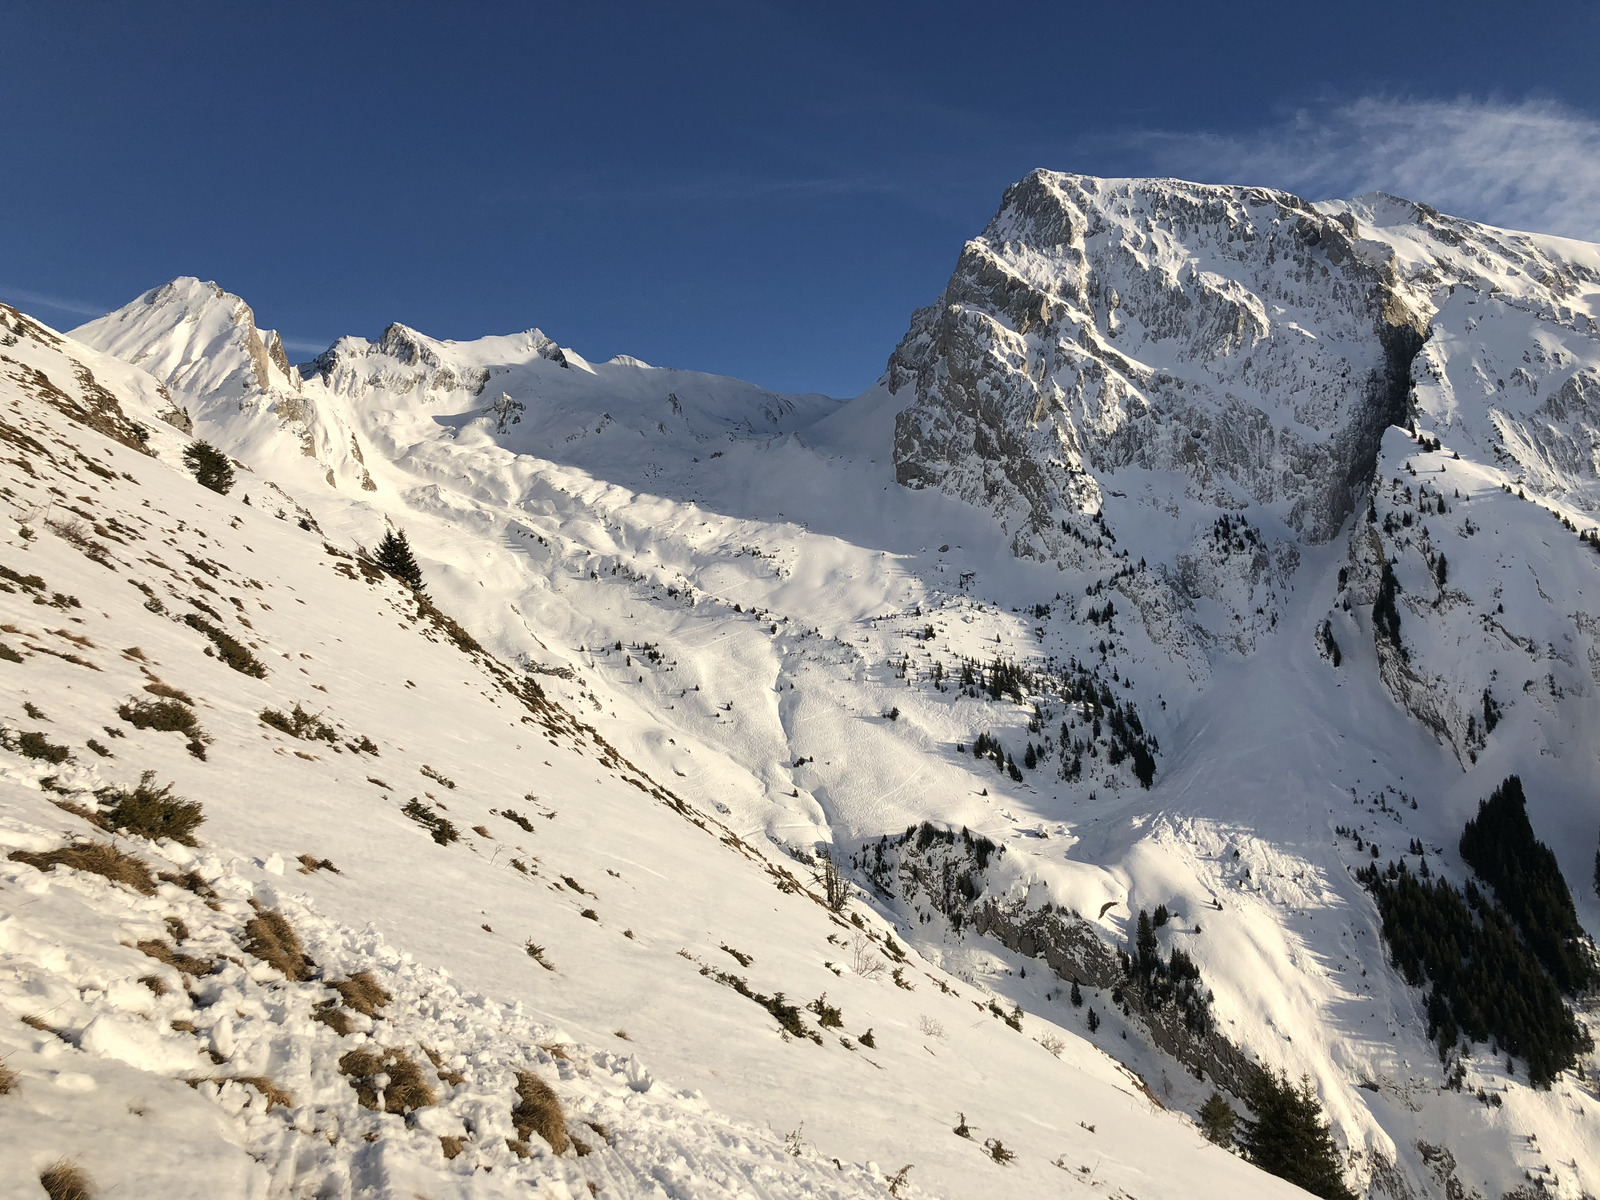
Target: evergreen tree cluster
[1175,980]
[1496,962]
[1498,844]
[1288,1137]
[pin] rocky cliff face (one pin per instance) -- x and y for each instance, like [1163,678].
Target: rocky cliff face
[1237,337]
[1262,370]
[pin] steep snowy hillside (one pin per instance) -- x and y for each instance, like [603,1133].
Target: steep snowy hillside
[1201,550]
[432,933]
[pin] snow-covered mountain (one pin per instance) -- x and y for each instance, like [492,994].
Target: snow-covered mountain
[1239,536]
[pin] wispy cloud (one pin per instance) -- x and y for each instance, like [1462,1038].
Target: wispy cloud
[305,345]
[1528,164]
[28,300]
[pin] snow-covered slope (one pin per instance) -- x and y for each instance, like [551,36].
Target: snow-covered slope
[587,925]
[1122,507]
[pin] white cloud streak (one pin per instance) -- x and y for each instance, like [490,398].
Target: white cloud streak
[1531,165]
[24,299]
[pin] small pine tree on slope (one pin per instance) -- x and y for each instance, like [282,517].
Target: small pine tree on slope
[209,466]
[394,556]
[1218,1120]
[1289,1139]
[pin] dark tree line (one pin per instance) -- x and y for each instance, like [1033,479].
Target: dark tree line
[1498,962]
[1498,844]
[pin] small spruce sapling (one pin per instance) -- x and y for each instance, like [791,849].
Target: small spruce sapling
[1217,1120]
[394,556]
[209,466]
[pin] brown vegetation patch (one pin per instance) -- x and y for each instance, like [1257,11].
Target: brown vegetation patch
[453,1078]
[66,1181]
[98,858]
[334,1017]
[407,1088]
[452,1146]
[150,811]
[270,937]
[274,1094]
[538,1110]
[166,716]
[162,951]
[362,992]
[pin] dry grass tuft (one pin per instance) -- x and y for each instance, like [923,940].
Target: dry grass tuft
[334,1017]
[362,992]
[538,1111]
[189,881]
[310,863]
[453,1078]
[162,951]
[169,693]
[66,1181]
[8,1080]
[274,1094]
[406,1090]
[98,858]
[273,940]
[452,1146]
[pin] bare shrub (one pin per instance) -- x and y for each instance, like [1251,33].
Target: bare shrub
[166,716]
[270,937]
[299,724]
[441,829]
[864,960]
[150,811]
[66,1181]
[34,745]
[997,1151]
[407,1089]
[98,858]
[228,648]
[834,886]
[538,1110]
[362,992]
[1053,1044]
[930,1027]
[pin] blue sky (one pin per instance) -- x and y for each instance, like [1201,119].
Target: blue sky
[762,190]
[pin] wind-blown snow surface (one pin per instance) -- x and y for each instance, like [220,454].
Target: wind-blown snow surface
[740,595]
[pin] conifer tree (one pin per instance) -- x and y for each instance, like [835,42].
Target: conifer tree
[1217,1120]
[394,556]
[209,466]
[1289,1139]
